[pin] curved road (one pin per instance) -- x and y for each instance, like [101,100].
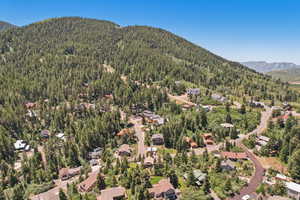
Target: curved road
[256,180]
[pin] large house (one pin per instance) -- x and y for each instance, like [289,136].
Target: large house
[208,139]
[193,91]
[21,145]
[96,153]
[157,139]
[124,150]
[227,125]
[293,190]
[66,173]
[153,118]
[227,165]
[219,98]
[234,156]
[163,190]
[199,177]
[88,184]
[148,162]
[261,141]
[115,193]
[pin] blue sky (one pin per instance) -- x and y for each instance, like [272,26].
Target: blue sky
[239,30]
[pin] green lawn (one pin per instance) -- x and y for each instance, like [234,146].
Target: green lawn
[155,179]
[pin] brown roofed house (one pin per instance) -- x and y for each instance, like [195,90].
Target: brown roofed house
[66,173]
[124,131]
[163,190]
[115,193]
[148,162]
[208,139]
[157,139]
[124,150]
[88,184]
[30,105]
[234,156]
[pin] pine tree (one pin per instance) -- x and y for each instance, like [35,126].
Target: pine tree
[62,195]
[173,178]
[100,182]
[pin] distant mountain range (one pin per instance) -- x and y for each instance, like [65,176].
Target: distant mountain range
[5,25]
[285,71]
[264,67]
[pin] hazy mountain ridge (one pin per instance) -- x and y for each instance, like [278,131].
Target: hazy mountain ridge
[5,25]
[264,67]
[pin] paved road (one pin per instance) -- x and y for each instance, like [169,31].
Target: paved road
[257,179]
[140,134]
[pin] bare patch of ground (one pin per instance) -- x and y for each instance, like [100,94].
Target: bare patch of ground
[272,162]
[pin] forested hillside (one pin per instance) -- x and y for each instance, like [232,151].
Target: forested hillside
[53,59]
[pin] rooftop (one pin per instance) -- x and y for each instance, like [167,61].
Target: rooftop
[293,186]
[111,193]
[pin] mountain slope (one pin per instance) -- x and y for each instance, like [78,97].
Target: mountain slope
[53,58]
[288,75]
[5,25]
[264,67]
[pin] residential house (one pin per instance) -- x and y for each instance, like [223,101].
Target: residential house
[199,176]
[261,141]
[63,174]
[157,139]
[30,105]
[193,91]
[282,177]
[208,139]
[45,134]
[234,156]
[219,98]
[66,173]
[227,165]
[148,162]
[207,108]
[256,104]
[191,143]
[96,153]
[151,151]
[163,190]
[153,118]
[21,145]
[124,131]
[88,184]
[124,150]
[227,125]
[115,193]
[187,106]
[293,190]
[31,113]
[286,106]
[61,136]
[94,162]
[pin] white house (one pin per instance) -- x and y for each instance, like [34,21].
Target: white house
[293,190]
[21,145]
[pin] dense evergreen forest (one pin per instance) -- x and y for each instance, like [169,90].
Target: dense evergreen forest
[62,66]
